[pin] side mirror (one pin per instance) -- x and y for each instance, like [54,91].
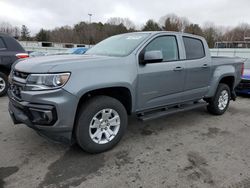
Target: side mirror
[152,57]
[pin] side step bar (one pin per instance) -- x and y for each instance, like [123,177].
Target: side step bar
[169,111]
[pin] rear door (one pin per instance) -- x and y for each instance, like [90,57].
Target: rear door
[198,68]
[162,82]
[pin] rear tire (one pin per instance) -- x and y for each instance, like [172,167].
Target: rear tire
[219,103]
[3,84]
[100,125]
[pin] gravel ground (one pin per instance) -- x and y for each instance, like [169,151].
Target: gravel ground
[191,149]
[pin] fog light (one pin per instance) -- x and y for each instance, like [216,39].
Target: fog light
[41,117]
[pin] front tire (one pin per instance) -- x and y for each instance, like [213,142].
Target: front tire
[219,103]
[100,125]
[3,84]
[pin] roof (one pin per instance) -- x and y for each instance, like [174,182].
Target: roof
[167,32]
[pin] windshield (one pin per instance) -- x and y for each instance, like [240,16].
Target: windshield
[119,45]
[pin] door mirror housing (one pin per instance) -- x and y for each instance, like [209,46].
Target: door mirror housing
[152,57]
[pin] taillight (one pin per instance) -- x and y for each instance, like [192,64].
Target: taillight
[22,55]
[242,69]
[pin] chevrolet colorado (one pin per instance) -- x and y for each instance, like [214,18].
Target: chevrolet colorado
[151,74]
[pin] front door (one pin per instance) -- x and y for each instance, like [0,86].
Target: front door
[161,83]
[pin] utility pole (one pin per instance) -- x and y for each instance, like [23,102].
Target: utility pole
[90,28]
[90,18]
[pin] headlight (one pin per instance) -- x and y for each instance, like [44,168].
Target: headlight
[37,82]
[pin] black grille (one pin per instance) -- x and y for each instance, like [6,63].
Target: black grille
[16,90]
[18,82]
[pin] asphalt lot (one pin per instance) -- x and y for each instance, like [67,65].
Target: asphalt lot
[191,149]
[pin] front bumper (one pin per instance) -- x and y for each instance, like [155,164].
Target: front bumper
[50,113]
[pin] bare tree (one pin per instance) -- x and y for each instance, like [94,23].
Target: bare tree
[84,32]
[211,33]
[17,33]
[62,34]
[238,33]
[125,21]
[7,28]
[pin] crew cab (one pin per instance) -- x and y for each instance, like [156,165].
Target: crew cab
[88,98]
[10,51]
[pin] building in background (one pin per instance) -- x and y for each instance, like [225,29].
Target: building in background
[49,47]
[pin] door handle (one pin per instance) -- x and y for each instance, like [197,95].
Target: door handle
[205,66]
[178,68]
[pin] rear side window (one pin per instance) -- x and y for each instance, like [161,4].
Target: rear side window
[194,48]
[167,45]
[2,45]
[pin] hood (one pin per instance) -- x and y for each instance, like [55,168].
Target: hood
[46,64]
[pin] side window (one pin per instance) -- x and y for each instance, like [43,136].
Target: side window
[194,48]
[2,45]
[166,44]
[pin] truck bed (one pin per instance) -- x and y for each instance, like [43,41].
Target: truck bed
[227,60]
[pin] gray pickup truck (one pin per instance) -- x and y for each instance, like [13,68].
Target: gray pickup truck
[151,74]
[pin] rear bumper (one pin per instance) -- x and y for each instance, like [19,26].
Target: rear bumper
[51,114]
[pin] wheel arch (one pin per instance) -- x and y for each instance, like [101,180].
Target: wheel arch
[122,94]
[228,80]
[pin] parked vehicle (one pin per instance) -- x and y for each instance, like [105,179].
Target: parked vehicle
[38,54]
[244,86]
[78,50]
[72,51]
[10,51]
[151,74]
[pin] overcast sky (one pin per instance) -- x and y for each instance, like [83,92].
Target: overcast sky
[48,14]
